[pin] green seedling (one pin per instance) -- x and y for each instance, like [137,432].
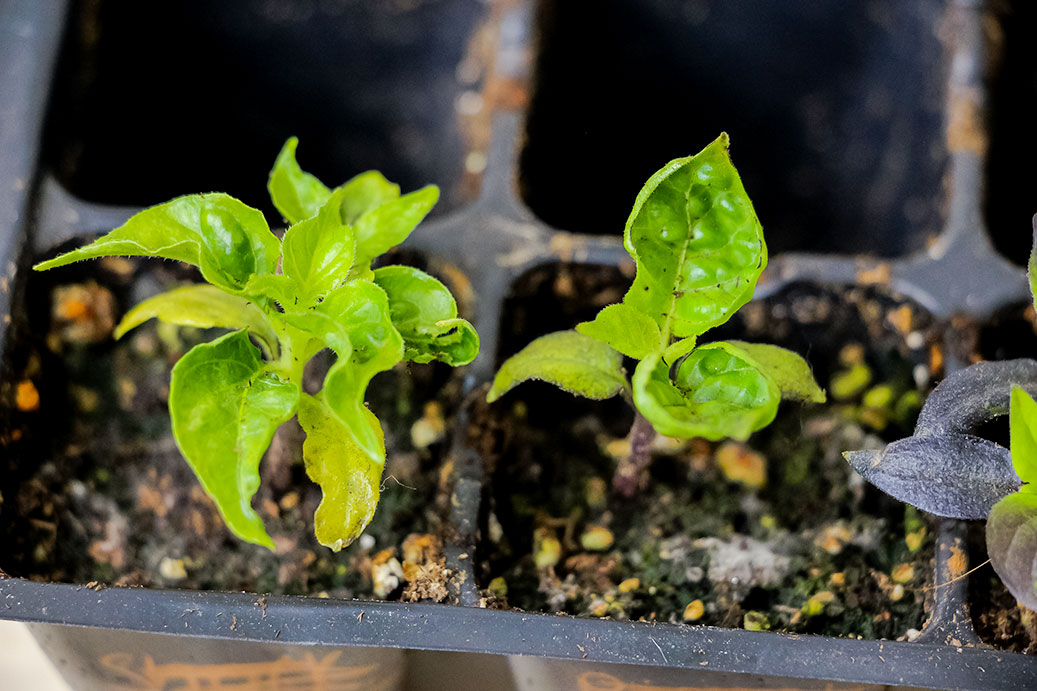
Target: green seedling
[285,301]
[698,248]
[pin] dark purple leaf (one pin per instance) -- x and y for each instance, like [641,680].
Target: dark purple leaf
[953,475]
[977,394]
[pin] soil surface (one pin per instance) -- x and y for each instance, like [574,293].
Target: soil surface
[108,499]
[778,533]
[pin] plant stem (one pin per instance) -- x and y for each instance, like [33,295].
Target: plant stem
[628,472]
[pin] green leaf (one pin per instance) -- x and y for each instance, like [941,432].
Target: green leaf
[425,314]
[380,229]
[1012,545]
[678,349]
[228,241]
[318,253]
[353,320]
[349,478]
[225,409]
[719,392]
[365,192]
[296,194]
[201,306]
[1022,421]
[787,369]
[626,329]
[572,361]
[697,244]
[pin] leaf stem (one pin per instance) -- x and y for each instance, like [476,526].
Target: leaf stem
[628,472]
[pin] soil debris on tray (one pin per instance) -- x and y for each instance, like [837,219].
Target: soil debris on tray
[775,534]
[108,498]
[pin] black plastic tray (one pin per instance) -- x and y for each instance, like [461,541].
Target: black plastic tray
[494,240]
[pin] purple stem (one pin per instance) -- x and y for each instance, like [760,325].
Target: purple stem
[628,472]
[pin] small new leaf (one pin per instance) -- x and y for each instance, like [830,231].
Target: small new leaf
[572,361]
[295,193]
[425,314]
[787,369]
[1023,434]
[1012,545]
[380,229]
[318,253]
[696,242]
[349,478]
[718,392]
[225,410]
[626,329]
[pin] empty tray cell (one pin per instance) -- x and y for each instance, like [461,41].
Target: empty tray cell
[834,112]
[1010,200]
[157,99]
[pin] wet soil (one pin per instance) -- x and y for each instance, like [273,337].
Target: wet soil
[108,499]
[778,533]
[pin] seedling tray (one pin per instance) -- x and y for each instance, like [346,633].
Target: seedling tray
[917,119]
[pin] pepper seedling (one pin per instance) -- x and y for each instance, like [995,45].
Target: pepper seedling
[285,301]
[698,249]
[947,470]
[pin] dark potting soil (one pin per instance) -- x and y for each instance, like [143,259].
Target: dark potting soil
[107,498]
[778,533]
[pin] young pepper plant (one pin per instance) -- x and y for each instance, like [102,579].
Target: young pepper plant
[698,249]
[285,301]
[944,468]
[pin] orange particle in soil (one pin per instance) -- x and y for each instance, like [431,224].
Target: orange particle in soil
[741,464]
[27,397]
[72,309]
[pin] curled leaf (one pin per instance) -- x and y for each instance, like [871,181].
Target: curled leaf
[225,409]
[966,399]
[229,241]
[718,392]
[349,478]
[295,193]
[626,329]
[787,369]
[697,244]
[353,320]
[952,475]
[572,361]
[201,306]
[425,314]
[1012,545]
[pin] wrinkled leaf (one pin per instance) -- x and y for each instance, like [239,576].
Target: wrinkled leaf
[380,229]
[354,321]
[225,410]
[1023,433]
[572,361]
[626,329]
[697,244]
[295,193]
[228,241]
[718,392]
[318,253]
[1012,545]
[201,306]
[952,475]
[788,370]
[425,314]
[967,398]
[349,478]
